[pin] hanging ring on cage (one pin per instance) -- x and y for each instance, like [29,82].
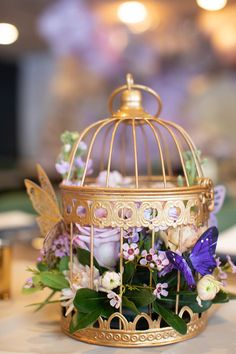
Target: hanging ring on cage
[129,86]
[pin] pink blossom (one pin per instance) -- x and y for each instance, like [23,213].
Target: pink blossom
[149,258]
[161,261]
[161,290]
[130,251]
[115,300]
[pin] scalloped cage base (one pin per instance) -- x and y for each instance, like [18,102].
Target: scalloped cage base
[135,338]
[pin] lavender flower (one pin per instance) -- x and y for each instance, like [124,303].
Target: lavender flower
[62,167]
[61,247]
[161,290]
[132,234]
[79,163]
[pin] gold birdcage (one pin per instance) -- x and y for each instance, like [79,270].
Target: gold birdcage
[149,152]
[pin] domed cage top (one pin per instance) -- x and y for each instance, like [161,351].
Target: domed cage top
[166,194]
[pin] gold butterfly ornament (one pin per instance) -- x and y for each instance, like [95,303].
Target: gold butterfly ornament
[44,201]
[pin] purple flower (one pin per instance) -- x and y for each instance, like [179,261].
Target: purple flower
[161,290]
[79,163]
[130,251]
[148,259]
[132,234]
[29,283]
[167,269]
[62,167]
[61,246]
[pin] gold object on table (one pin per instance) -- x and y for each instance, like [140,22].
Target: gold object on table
[5,269]
[163,142]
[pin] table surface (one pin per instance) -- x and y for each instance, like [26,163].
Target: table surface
[23,331]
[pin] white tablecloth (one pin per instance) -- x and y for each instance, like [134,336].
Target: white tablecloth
[23,331]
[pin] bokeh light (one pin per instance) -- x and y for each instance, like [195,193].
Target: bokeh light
[131,12]
[8,33]
[212,5]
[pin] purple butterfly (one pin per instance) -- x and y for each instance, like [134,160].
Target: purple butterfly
[219,197]
[201,258]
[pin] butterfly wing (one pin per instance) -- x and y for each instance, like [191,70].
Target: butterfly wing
[180,264]
[45,183]
[44,205]
[202,254]
[55,231]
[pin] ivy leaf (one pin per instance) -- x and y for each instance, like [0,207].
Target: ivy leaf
[171,318]
[140,297]
[82,320]
[64,263]
[130,305]
[84,259]
[88,300]
[55,281]
[129,269]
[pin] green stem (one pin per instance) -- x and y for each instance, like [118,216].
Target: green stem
[46,301]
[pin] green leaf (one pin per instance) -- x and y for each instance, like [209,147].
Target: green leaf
[64,263]
[199,309]
[140,297]
[55,281]
[84,258]
[82,320]
[130,305]
[129,269]
[42,266]
[88,300]
[221,297]
[171,318]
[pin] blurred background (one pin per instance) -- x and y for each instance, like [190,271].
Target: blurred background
[60,60]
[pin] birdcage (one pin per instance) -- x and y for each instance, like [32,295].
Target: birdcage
[161,191]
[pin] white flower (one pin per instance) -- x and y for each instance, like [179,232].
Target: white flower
[109,281]
[80,279]
[115,300]
[207,288]
[67,147]
[115,179]
[130,251]
[82,146]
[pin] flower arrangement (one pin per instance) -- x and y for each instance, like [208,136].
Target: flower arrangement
[150,269]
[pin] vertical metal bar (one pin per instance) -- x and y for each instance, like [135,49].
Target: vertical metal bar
[160,151]
[147,152]
[123,151]
[104,145]
[179,274]
[121,266]
[135,154]
[91,256]
[178,148]
[150,276]
[110,152]
[71,252]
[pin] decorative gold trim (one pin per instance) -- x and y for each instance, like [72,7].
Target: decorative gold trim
[128,336]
